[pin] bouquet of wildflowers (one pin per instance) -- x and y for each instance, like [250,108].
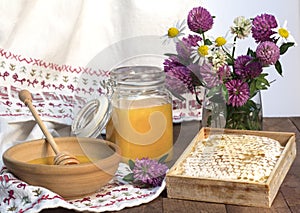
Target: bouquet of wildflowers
[210,62]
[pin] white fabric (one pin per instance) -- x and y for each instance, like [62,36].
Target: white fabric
[74,31]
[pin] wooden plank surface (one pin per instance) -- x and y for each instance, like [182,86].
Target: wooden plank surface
[185,206]
[286,201]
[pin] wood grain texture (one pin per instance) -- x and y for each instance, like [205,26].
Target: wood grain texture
[154,206]
[175,205]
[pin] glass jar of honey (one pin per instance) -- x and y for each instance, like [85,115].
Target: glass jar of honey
[141,119]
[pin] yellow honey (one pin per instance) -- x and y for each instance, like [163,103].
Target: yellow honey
[142,131]
[49,160]
[141,122]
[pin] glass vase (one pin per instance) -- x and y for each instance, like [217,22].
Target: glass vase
[247,117]
[217,114]
[213,110]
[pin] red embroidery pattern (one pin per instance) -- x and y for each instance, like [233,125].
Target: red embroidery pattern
[57,89]
[18,197]
[73,86]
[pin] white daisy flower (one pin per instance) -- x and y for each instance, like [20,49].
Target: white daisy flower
[174,32]
[282,35]
[222,43]
[200,52]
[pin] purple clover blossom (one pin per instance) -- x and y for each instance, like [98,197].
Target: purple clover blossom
[175,85]
[199,20]
[184,47]
[175,70]
[254,69]
[262,26]
[149,172]
[246,68]
[192,40]
[205,74]
[238,92]
[171,62]
[268,53]
[224,72]
[184,75]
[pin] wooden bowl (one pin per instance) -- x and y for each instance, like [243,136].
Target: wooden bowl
[69,181]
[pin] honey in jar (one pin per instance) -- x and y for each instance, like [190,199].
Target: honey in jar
[141,120]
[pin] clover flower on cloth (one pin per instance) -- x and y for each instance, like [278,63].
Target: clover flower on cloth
[147,172]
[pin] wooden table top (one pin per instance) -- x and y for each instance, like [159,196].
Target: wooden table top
[287,199]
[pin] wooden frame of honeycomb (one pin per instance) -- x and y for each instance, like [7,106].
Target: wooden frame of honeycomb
[232,167]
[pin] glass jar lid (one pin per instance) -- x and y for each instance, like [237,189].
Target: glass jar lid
[92,118]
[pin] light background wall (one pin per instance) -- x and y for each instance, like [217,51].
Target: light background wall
[75,31]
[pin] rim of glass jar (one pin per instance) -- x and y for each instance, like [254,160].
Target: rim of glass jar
[137,75]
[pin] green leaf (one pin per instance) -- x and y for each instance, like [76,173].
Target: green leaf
[225,92]
[251,53]
[129,177]
[163,158]
[284,47]
[278,67]
[131,164]
[259,83]
[262,83]
[253,88]
[207,42]
[230,59]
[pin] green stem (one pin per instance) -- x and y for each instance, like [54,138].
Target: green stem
[203,37]
[197,98]
[233,49]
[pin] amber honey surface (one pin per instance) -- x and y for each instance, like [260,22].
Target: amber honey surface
[142,131]
[49,160]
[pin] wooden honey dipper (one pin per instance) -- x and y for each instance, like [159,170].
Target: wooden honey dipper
[61,158]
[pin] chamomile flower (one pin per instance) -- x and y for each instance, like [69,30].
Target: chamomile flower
[200,52]
[222,43]
[174,32]
[282,35]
